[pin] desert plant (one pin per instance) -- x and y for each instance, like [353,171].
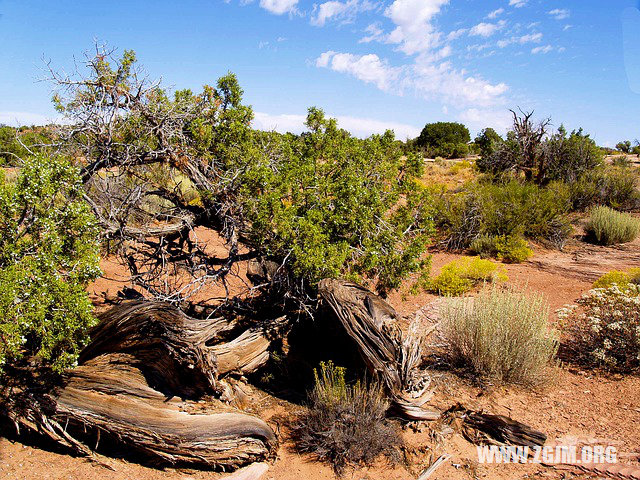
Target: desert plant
[621,279]
[502,334]
[610,227]
[48,253]
[507,248]
[604,328]
[460,276]
[613,187]
[345,424]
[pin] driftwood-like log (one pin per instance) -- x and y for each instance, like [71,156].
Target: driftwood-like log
[136,381]
[393,358]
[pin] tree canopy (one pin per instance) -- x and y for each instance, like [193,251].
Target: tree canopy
[440,133]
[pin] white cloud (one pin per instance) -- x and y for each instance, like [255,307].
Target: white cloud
[414,32]
[345,11]
[360,127]
[17,119]
[544,50]
[518,3]
[375,33]
[495,13]
[368,68]
[279,7]
[566,27]
[478,119]
[426,77]
[560,13]
[456,34]
[484,29]
[528,38]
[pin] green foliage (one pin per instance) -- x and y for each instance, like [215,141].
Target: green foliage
[444,139]
[460,276]
[605,330]
[622,279]
[502,334]
[345,424]
[331,204]
[488,141]
[506,248]
[610,227]
[15,142]
[610,186]
[528,152]
[624,147]
[509,209]
[48,253]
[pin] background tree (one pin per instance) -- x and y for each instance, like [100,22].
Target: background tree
[445,139]
[624,146]
[487,141]
[48,254]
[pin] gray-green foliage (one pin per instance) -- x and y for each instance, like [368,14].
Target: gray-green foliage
[48,253]
[502,334]
[610,227]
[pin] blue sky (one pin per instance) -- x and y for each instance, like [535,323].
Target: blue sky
[373,65]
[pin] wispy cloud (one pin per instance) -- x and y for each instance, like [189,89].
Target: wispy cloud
[344,12]
[496,13]
[368,68]
[546,49]
[518,3]
[521,40]
[486,29]
[560,13]
[279,7]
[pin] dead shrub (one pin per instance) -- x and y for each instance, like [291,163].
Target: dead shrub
[346,424]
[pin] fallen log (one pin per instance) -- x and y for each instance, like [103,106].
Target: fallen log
[389,355]
[136,383]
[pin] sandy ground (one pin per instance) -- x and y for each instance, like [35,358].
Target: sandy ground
[577,404]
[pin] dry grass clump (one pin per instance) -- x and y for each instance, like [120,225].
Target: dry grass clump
[502,334]
[346,424]
[610,227]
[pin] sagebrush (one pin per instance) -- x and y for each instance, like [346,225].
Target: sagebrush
[502,335]
[610,227]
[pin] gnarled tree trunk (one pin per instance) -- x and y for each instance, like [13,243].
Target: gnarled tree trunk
[390,356]
[136,381]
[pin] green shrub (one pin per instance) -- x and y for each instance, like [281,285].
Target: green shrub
[610,227]
[501,335]
[613,187]
[621,279]
[605,330]
[506,248]
[48,254]
[346,424]
[461,275]
[511,209]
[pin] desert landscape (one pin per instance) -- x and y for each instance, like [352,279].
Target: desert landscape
[192,288]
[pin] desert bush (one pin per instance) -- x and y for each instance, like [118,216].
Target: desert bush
[487,141]
[505,209]
[506,248]
[345,424]
[460,276]
[502,334]
[610,227]
[622,279]
[621,161]
[613,187]
[48,253]
[604,328]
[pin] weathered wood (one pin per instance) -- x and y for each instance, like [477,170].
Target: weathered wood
[389,355]
[136,381]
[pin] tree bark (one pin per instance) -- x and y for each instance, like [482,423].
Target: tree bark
[137,382]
